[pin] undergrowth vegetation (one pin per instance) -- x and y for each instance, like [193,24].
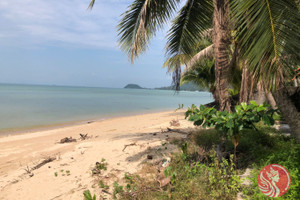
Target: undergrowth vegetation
[189,180]
[211,163]
[198,172]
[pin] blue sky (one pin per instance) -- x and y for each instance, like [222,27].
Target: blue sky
[60,42]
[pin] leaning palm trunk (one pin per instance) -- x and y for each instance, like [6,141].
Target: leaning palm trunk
[221,42]
[288,111]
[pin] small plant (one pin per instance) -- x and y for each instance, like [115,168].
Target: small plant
[68,172]
[102,165]
[88,196]
[131,185]
[180,106]
[117,189]
[102,185]
[172,174]
[55,174]
[184,148]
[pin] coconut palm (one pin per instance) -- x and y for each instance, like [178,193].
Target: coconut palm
[268,33]
[264,34]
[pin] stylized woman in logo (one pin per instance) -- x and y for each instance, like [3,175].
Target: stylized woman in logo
[269,188]
[275,182]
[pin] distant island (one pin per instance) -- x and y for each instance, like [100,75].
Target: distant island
[133,86]
[183,87]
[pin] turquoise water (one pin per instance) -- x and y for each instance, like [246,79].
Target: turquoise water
[26,106]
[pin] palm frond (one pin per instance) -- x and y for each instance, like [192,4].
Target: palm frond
[91,5]
[174,61]
[140,22]
[188,27]
[201,73]
[269,35]
[205,53]
[194,18]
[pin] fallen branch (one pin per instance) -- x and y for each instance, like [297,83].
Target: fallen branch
[127,145]
[175,130]
[83,136]
[50,159]
[67,140]
[105,191]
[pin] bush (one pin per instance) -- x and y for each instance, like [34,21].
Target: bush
[207,138]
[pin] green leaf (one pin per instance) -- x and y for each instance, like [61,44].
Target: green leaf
[230,123]
[266,120]
[244,106]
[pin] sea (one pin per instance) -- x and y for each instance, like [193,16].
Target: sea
[27,107]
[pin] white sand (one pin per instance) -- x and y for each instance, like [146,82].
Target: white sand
[109,138]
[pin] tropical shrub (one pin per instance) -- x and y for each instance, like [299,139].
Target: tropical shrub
[230,124]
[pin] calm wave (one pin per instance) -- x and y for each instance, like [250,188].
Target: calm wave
[27,106]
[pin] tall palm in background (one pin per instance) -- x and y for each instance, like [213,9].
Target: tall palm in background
[262,35]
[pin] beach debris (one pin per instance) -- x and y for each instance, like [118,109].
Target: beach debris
[67,140]
[149,157]
[167,130]
[164,163]
[84,136]
[44,162]
[176,131]
[89,122]
[162,180]
[127,145]
[175,123]
[27,170]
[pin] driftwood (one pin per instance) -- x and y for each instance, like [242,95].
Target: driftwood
[175,130]
[67,140]
[83,136]
[44,162]
[174,123]
[105,191]
[125,146]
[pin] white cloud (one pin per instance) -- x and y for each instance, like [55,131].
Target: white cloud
[36,23]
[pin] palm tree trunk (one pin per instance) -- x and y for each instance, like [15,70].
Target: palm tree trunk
[221,40]
[246,91]
[260,96]
[270,98]
[288,111]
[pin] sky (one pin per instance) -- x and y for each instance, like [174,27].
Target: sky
[60,42]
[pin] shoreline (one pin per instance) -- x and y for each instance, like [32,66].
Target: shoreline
[107,140]
[38,128]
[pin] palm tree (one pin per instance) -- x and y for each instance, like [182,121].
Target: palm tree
[268,33]
[264,34]
[144,17]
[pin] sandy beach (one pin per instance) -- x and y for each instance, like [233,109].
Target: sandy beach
[22,176]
